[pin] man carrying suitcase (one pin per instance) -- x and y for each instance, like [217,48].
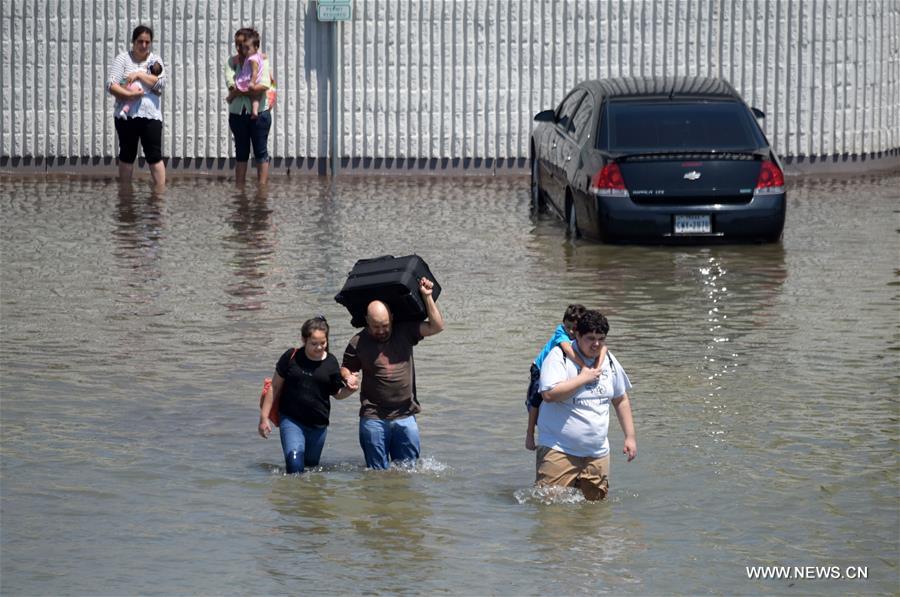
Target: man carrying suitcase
[383,351]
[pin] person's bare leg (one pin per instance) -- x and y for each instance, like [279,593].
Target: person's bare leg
[240,173]
[262,173]
[158,174]
[125,172]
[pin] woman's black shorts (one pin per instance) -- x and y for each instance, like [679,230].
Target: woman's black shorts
[148,131]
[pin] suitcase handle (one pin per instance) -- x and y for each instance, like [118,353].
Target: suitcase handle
[371,259]
[396,269]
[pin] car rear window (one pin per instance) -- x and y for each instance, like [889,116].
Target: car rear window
[678,126]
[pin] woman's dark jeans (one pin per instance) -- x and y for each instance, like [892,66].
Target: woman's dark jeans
[249,132]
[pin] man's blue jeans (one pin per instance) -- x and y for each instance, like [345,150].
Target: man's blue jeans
[385,440]
[302,445]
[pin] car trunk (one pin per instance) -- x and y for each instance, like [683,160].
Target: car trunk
[690,179]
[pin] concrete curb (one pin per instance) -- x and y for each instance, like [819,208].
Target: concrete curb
[888,161]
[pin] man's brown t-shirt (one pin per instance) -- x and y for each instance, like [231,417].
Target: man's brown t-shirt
[389,374]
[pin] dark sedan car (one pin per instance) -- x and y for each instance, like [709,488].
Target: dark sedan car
[658,160]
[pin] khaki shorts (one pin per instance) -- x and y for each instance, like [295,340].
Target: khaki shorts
[587,473]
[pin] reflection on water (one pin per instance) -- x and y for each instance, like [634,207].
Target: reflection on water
[253,245]
[136,327]
[139,234]
[593,534]
[385,514]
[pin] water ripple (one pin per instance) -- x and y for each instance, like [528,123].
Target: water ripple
[135,329]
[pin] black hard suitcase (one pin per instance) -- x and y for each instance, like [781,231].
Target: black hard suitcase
[392,280]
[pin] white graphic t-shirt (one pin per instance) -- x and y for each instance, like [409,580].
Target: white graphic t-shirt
[578,426]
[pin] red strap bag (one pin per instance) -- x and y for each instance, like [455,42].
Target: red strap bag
[267,383]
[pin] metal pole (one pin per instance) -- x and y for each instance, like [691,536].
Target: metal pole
[335,93]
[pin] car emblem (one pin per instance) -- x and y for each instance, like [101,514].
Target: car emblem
[692,175]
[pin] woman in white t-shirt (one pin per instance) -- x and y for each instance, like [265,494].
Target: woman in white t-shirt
[137,113]
[574,419]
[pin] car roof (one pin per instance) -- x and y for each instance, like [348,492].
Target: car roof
[647,87]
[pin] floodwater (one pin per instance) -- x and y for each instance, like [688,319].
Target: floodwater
[136,330]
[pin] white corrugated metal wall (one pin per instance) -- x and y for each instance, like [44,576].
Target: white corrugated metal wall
[447,79]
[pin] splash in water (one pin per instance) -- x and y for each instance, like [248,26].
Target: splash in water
[423,466]
[277,470]
[549,495]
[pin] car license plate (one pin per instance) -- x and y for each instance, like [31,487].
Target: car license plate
[693,225]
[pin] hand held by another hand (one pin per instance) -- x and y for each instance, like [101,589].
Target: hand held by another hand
[352,381]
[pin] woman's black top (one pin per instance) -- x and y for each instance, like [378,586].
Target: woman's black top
[307,387]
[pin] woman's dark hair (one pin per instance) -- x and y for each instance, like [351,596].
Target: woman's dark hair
[574,313]
[592,322]
[313,325]
[140,30]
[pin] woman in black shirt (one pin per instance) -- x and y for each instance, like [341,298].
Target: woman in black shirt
[304,379]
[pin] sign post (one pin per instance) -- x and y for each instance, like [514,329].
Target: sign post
[335,11]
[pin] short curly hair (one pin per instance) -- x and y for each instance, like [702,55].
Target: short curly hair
[592,321]
[574,312]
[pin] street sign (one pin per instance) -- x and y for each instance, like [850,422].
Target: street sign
[334,10]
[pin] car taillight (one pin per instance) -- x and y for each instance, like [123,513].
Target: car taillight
[770,181]
[608,182]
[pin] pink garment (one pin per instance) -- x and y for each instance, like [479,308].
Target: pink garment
[135,103]
[242,78]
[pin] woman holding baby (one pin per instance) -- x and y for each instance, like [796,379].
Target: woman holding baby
[137,79]
[249,80]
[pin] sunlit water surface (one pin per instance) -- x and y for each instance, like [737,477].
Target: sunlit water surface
[136,330]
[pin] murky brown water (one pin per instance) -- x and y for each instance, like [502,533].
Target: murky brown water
[136,331]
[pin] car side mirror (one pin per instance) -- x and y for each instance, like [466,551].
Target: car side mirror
[758,113]
[545,116]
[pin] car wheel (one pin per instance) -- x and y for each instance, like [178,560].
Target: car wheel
[537,200]
[572,227]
